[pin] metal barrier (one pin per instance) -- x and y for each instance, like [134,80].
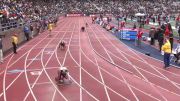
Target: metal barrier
[10,25]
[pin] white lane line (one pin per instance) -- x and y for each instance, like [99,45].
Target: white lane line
[54,95]
[142,54]
[98,80]
[101,74]
[146,72]
[62,31]
[24,46]
[133,93]
[105,88]
[14,62]
[50,77]
[128,63]
[148,64]
[166,78]
[74,79]
[107,94]
[32,70]
[32,86]
[25,68]
[144,61]
[144,69]
[42,83]
[4,80]
[120,79]
[27,80]
[103,47]
[65,56]
[80,71]
[107,59]
[136,69]
[24,54]
[5,72]
[95,80]
[19,74]
[153,68]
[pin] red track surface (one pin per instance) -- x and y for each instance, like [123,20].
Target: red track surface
[101,68]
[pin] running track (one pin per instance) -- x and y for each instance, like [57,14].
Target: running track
[101,69]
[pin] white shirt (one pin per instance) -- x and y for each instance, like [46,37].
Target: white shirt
[178,48]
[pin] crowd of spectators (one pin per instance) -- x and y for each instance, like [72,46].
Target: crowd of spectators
[14,9]
[31,10]
[26,10]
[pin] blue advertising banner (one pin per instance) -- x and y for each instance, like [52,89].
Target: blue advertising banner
[127,34]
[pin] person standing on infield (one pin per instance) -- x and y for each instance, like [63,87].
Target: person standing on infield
[50,27]
[14,43]
[1,50]
[167,52]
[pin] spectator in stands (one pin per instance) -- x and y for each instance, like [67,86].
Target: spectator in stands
[160,38]
[38,27]
[166,48]
[177,50]
[122,25]
[163,28]
[139,37]
[55,21]
[151,35]
[31,29]
[177,20]
[171,40]
[15,43]
[1,50]
[170,28]
[26,32]
[134,26]
[167,31]
[179,32]
[93,20]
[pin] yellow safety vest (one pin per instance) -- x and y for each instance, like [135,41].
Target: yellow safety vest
[15,39]
[166,47]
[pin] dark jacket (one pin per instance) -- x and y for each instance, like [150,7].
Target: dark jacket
[1,46]
[31,28]
[160,36]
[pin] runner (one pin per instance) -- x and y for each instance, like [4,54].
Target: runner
[82,29]
[62,44]
[62,75]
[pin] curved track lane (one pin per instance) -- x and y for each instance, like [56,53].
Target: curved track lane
[101,69]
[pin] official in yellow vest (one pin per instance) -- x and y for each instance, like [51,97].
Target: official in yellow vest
[167,52]
[50,27]
[14,43]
